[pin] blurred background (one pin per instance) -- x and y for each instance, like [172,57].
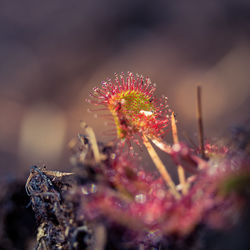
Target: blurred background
[53,52]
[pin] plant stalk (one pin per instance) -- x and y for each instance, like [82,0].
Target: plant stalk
[180,170]
[161,168]
[200,122]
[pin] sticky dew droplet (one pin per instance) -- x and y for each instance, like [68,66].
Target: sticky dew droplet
[140,198]
[89,189]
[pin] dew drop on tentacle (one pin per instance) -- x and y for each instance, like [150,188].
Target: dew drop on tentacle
[104,83]
[140,198]
[89,189]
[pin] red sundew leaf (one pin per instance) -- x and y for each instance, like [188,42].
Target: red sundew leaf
[134,108]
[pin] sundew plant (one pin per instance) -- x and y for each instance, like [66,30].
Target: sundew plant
[140,116]
[114,203]
[157,204]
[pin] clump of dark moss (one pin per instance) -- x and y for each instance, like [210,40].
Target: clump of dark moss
[58,226]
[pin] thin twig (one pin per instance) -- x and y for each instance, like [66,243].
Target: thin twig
[200,122]
[180,170]
[161,168]
[93,142]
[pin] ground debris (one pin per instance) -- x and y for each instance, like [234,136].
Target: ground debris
[56,216]
[103,203]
